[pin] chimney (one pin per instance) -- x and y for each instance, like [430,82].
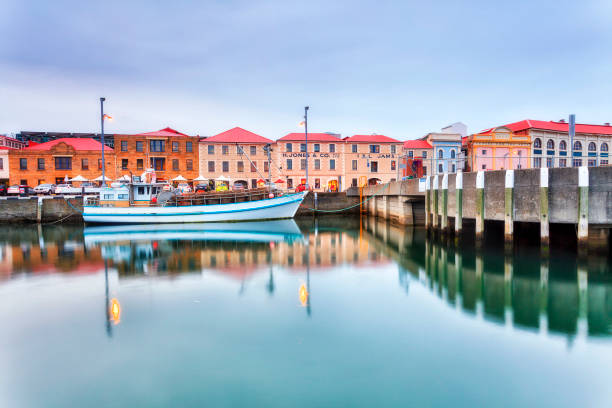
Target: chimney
[562,120]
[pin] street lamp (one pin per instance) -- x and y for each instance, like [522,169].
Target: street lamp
[306,141]
[102,117]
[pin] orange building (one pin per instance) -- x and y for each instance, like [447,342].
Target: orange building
[236,154]
[52,162]
[374,156]
[498,149]
[169,152]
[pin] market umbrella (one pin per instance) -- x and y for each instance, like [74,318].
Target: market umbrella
[179,178]
[200,178]
[125,177]
[79,178]
[279,181]
[100,179]
[222,178]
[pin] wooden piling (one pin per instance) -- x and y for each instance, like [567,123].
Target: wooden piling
[544,210]
[509,207]
[583,208]
[459,198]
[444,223]
[427,201]
[480,205]
[435,187]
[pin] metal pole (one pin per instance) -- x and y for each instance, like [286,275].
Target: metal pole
[306,139]
[268,148]
[572,133]
[102,140]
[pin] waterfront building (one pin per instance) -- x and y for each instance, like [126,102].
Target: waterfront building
[58,160]
[419,149]
[498,149]
[11,143]
[4,164]
[447,157]
[169,152]
[374,156]
[456,128]
[325,152]
[35,137]
[550,144]
[239,155]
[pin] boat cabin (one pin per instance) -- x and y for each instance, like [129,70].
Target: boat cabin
[126,195]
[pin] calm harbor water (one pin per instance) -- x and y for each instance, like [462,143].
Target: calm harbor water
[316,313]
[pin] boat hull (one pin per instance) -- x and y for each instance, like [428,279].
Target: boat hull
[279,207]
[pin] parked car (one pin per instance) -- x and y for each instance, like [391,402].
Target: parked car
[44,189]
[64,189]
[21,190]
[3,189]
[202,188]
[183,188]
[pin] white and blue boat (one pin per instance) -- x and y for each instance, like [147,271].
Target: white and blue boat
[144,203]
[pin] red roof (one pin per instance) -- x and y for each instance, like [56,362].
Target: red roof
[557,127]
[417,144]
[314,137]
[76,143]
[165,132]
[371,139]
[238,135]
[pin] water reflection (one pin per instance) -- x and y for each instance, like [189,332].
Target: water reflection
[556,295]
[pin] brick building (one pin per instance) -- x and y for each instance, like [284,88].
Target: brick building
[169,152]
[374,156]
[419,149]
[53,161]
[239,155]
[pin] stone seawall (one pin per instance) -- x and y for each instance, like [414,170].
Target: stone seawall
[39,209]
[328,202]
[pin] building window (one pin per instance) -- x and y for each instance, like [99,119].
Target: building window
[592,162]
[452,153]
[354,182]
[99,164]
[303,147]
[374,167]
[603,147]
[253,167]
[189,147]
[225,166]
[354,148]
[332,148]
[563,146]
[41,164]
[253,150]
[592,147]
[175,164]
[440,154]
[175,147]
[317,147]
[266,166]
[253,183]
[537,162]
[317,183]
[537,143]
[211,149]
[317,164]
[550,145]
[484,152]
[374,148]
[453,168]
[240,167]
[139,146]
[289,183]
[604,162]
[332,164]
[139,164]
[124,145]
[549,162]
[2,164]
[354,165]
[577,145]
[577,162]
[63,163]
[440,168]
[157,146]
[424,154]
[124,164]
[189,164]
[289,148]
[483,167]
[410,153]
[23,164]
[562,162]
[224,150]
[393,149]
[84,164]
[289,164]
[211,166]
[302,164]
[393,165]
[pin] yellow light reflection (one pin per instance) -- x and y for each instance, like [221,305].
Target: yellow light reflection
[303,294]
[115,311]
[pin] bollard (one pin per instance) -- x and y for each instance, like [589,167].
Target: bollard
[459,197]
[544,210]
[444,222]
[509,207]
[480,204]
[435,201]
[583,207]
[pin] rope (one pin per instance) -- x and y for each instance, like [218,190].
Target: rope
[354,205]
[71,206]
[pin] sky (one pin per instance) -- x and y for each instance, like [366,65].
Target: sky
[399,68]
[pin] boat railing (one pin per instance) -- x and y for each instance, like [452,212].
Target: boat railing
[222,197]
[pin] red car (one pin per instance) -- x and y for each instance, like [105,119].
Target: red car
[300,188]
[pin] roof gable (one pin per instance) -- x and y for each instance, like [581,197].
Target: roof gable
[312,137]
[85,144]
[417,144]
[371,139]
[165,132]
[238,135]
[558,127]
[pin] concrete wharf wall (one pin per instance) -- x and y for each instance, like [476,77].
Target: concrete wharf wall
[40,209]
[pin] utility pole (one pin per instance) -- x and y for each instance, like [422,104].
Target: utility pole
[102,139]
[572,133]
[268,148]
[306,140]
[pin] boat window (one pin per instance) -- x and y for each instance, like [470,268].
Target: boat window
[108,196]
[141,190]
[123,196]
[146,190]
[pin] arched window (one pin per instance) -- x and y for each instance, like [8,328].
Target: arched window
[440,154]
[604,147]
[592,147]
[577,145]
[562,145]
[550,145]
[537,143]
[452,154]
[440,168]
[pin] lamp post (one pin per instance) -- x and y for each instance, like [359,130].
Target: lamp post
[306,141]
[102,117]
